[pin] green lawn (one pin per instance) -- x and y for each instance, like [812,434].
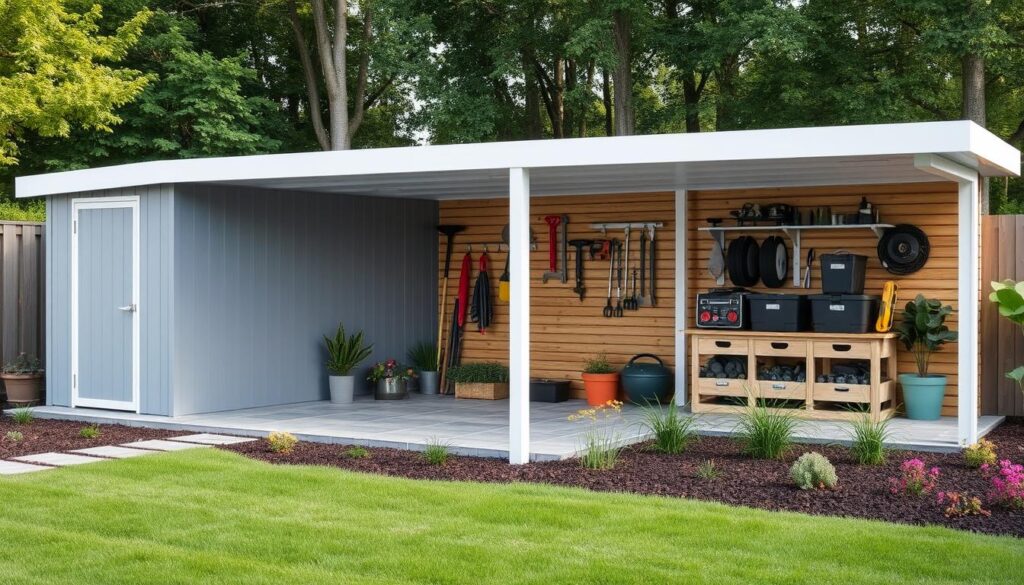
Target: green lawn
[213,517]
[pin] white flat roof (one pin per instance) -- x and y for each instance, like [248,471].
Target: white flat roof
[882,153]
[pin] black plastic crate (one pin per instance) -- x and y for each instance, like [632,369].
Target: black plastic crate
[843,273]
[844,313]
[779,312]
[549,390]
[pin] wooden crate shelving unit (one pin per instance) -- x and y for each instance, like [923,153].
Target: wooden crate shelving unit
[818,351]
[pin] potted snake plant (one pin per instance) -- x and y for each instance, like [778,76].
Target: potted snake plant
[423,358]
[344,353]
[923,331]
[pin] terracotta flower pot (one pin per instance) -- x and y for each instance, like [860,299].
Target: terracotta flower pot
[23,389]
[601,388]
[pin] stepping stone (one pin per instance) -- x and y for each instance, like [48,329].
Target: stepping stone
[211,439]
[58,459]
[112,452]
[15,468]
[161,445]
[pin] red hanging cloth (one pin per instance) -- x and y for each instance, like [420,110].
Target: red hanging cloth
[464,276]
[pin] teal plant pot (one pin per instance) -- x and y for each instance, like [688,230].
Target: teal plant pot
[922,397]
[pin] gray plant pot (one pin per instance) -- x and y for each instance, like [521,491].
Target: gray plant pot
[428,382]
[342,388]
[391,389]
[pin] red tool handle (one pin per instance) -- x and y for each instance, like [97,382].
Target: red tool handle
[553,222]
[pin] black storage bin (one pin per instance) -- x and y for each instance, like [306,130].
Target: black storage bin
[844,313]
[549,390]
[843,273]
[779,312]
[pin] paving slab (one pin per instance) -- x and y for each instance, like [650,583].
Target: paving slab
[16,467]
[112,452]
[58,459]
[162,445]
[212,439]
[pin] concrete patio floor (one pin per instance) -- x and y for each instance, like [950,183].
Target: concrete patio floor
[480,427]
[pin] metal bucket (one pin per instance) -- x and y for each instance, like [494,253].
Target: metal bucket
[391,389]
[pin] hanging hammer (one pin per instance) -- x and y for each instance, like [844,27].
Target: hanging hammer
[580,245]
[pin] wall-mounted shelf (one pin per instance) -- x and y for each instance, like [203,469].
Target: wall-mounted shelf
[793,233]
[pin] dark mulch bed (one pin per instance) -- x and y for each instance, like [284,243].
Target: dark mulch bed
[863,491]
[44,435]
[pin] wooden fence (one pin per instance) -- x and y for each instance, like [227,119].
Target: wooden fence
[1002,344]
[21,289]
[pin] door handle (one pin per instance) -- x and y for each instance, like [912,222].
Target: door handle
[130,308]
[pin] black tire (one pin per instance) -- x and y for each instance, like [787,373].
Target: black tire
[903,249]
[774,262]
[743,261]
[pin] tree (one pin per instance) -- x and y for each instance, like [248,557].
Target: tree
[53,75]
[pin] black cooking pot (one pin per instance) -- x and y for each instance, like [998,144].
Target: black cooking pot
[646,383]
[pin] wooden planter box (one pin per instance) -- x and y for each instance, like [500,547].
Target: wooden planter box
[481,391]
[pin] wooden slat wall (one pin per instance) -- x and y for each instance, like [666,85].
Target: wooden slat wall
[1001,341]
[21,289]
[565,331]
[930,206]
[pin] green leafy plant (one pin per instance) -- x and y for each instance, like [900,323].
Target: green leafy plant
[923,331]
[23,416]
[981,453]
[868,440]
[601,446]
[1009,295]
[14,436]
[437,452]
[673,433]
[480,373]
[23,363]
[813,471]
[357,453]
[764,433]
[707,470]
[345,352]
[281,442]
[598,364]
[423,356]
[90,432]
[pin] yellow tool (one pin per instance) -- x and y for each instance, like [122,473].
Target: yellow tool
[887,312]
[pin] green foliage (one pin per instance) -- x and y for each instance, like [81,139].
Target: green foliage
[479,372]
[601,448]
[23,363]
[764,433]
[281,442]
[868,440]
[31,210]
[23,416]
[707,470]
[357,453]
[1009,295]
[14,436]
[437,452]
[345,352]
[673,432]
[813,471]
[598,364]
[423,356]
[90,432]
[922,329]
[981,453]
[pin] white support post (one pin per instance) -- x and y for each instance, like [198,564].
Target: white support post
[519,316]
[969,281]
[682,394]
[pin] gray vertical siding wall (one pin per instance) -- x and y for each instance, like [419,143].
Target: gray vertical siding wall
[156,215]
[260,276]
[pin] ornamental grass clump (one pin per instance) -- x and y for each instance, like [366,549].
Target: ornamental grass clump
[673,433]
[1007,483]
[23,416]
[437,452]
[981,453]
[915,478]
[764,433]
[813,471]
[281,442]
[707,470]
[90,432]
[868,440]
[601,446]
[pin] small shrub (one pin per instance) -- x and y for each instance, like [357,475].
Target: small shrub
[89,432]
[868,440]
[813,471]
[437,452]
[959,505]
[707,470]
[423,356]
[24,363]
[673,433]
[23,416]
[479,373]
[915,479]
[281,442]
[598,364]
[981,453]
[764,433]
[1007,483]
[357,453]
[14,436]
[600,447]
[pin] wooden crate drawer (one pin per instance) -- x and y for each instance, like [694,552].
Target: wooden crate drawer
[858,350]
[842,392]
[723,387]
[773,389]
[780,347]
[722,346]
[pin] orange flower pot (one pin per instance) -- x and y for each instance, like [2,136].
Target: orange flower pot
[601,388]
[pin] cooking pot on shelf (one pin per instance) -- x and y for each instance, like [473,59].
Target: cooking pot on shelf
[646,382]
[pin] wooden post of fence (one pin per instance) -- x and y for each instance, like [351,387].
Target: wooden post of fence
[1002,344]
